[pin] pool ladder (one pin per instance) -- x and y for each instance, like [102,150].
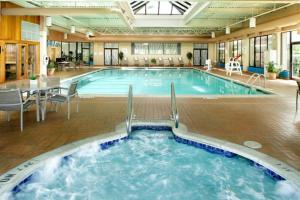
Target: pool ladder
[257,78]
[130,116]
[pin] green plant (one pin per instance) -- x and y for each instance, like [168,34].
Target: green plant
[121,55]
[32,77]
[189,56]
[51,65]
[153,61]
[271,68]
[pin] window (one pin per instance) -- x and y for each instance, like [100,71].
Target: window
[221,52]
[258,46]
[285,50]
[160,7]
[155,48]
[235,49]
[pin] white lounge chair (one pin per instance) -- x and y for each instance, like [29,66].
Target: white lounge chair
[136,62]
[146,62]
[171,62]
[208,65]
[180,62]
[161,61]
[233,67]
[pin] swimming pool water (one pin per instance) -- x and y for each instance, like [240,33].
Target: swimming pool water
[150,165]
[158,81]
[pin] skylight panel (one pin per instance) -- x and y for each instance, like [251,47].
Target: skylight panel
[165,8]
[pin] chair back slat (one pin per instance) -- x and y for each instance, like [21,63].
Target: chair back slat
[298,83]
[10,97]
[73,88]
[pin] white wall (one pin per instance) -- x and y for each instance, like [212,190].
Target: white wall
[125,47]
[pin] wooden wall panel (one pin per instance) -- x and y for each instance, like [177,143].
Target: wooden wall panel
[10,26]
[2,66]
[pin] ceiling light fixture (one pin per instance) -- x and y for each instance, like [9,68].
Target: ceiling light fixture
[48,21]
[213,35]
[227,31]
[252,22]
[73,29]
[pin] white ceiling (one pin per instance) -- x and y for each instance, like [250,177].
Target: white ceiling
[201,18]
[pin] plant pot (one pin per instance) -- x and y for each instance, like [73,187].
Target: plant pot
[33,82]
[51,71]
[272,76]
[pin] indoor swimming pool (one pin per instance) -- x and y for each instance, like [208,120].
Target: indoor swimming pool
[153,81]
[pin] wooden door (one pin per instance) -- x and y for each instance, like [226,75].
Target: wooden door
[23,61]
[2,65]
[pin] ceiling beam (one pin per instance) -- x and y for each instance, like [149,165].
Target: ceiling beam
[195,11]
[56,11]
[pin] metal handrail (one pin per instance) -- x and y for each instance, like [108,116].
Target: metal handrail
[174,114]
[254,77]
[129,110]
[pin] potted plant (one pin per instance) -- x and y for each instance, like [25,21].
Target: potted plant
[153,61]
[50,68]
[189,56]
[121,56]
[33,80]
[272,71]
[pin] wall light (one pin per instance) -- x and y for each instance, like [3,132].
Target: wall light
[227,31]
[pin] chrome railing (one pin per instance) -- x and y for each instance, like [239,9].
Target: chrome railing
[257,77]
[129,111]
[174,112]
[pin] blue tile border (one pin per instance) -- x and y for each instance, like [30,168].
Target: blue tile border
[266,171]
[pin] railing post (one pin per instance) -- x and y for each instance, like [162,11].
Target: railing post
[129,110]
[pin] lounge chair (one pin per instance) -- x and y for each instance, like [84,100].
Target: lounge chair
[161,61]
[180,62]
[233,67]
[208,65]
[59,98]
[12,100]
[136,62]
[146,62]
[171,62]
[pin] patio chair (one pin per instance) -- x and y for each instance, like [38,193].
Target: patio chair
[233,67]
[59,98]
[136,62]
[208,65]
[171,62]
[297,94]
[12,100]
[146,62]
[180,61]
[161,61]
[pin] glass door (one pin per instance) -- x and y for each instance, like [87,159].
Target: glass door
[86,56]
[11,58]
[295,60]
[200,56]
[23,61]
[115,56]
[111,56]
[197,58]
[32,60]
[204,56]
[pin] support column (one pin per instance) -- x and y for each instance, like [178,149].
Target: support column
[43,46]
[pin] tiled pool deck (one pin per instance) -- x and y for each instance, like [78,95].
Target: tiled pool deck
[270,121]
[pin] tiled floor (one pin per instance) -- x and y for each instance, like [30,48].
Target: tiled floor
[270,121]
